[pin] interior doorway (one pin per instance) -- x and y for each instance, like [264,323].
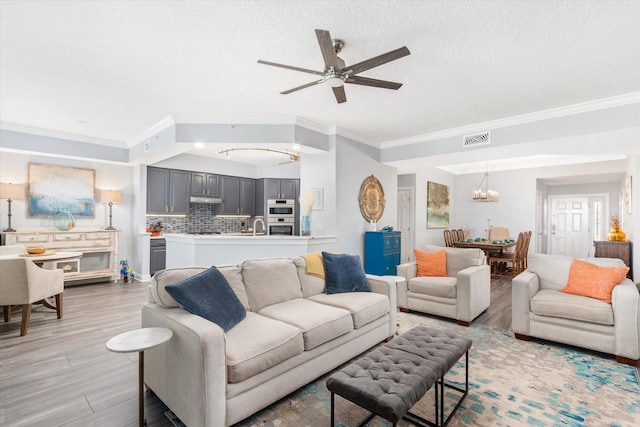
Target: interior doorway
[405,222]
[575,221]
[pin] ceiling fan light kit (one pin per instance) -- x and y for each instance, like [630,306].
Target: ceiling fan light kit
[336,74]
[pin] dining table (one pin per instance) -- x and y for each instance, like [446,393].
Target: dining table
[486,245]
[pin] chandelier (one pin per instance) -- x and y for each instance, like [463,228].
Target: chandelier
[485,194]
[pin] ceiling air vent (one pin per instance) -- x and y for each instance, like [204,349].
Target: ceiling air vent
[476,139]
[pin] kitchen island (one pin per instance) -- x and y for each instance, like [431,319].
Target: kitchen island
[188,250]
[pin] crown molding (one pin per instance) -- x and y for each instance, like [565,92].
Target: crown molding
[61,135]
[600,104]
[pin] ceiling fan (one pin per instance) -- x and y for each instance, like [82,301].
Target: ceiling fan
[335,72]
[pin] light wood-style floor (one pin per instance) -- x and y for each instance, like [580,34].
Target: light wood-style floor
[60,373]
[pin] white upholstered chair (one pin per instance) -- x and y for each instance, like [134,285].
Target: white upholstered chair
[540,310]
[462,295]
[24,283]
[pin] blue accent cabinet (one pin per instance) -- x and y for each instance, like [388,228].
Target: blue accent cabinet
[381,252]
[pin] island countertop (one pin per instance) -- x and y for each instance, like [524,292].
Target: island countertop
[187,250]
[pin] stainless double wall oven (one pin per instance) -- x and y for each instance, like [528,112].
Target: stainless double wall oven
[281,214]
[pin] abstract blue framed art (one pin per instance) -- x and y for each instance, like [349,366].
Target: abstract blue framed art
[53,189]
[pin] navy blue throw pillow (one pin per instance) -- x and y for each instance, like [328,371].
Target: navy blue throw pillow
[209,295]
[344,273]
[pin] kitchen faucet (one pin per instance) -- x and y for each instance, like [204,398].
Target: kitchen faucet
[264,231]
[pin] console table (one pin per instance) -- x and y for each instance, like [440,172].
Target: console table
[99,249]
[621,250]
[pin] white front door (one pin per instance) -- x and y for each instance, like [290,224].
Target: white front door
[405,223]
[569,228]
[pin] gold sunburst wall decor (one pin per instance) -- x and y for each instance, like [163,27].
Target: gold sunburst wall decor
[371,199]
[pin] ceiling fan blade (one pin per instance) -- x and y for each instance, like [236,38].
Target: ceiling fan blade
[289,67]
[366,81]
[326,47]
[378,60]
[341,96]
[301,87]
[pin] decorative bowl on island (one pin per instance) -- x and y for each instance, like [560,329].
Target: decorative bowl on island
[36,250]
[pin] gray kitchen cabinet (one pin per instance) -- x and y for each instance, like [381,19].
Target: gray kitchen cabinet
[230,194]
[238,195]
[247,196]
[168,191]
[157,255]
[205,184]
[157,193]
[179,183]
[280,188]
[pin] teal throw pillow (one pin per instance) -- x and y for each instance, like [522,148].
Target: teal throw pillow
[344,273]
[209,295]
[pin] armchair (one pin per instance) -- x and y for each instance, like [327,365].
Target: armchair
[540,310]
[24,283]
[463,295]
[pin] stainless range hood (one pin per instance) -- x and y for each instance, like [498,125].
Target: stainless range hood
[204,199]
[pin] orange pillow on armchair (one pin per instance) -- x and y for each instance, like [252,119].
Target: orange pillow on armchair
[590,280]
[431,264]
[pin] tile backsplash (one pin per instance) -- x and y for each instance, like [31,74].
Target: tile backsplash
[201,219]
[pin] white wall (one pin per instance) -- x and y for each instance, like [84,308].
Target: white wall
[632,221]
[355,162]
[432,236]
[14,168]
[319,171]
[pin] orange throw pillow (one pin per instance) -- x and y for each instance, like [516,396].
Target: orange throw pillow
[590,280]
[431,264]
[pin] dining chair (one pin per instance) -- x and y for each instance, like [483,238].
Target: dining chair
[24,283]
[460,234]
[500,262]
[498,233]
[448,239]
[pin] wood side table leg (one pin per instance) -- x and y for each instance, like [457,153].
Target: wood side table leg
[142,422]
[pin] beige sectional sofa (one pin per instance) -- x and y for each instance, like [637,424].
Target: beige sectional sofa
[292,333]
[462,295]
[541,310]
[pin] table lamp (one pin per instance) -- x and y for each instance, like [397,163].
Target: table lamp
[11,192]
[110,197]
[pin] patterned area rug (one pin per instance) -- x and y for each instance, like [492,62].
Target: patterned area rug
[511,383]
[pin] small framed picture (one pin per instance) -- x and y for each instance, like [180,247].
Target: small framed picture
[318,199]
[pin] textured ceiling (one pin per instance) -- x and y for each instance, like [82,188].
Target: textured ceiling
[112,69]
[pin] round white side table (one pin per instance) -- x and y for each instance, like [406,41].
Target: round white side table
[139,340]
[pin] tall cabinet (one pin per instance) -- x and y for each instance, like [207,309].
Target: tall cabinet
[620,250]
[381,252]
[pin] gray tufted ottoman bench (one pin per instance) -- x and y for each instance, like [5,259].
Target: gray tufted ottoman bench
[389,380]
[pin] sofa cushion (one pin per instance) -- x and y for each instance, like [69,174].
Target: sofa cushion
[311,285]
[364,307]
[167,277]
[344,273]
[258,343]
[319,322]
[269,281]
[550,302]
[208,295]
[233,274]
[458,258]
[593,281]
[431,264]
[444,287]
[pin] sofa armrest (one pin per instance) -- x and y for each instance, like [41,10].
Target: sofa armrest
[523,287]
[408,270]
[625,300]
[386,285]
[188,373]
[473,293]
